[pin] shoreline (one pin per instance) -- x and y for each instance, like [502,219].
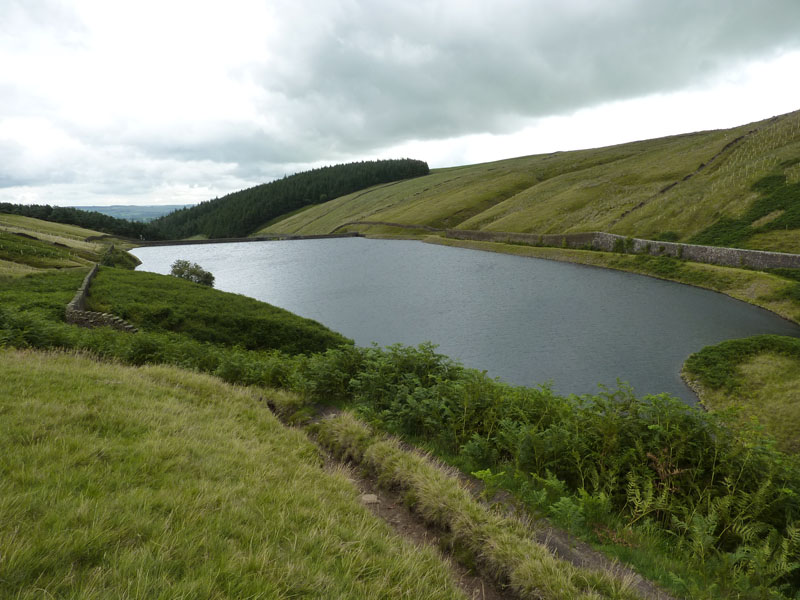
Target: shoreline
[627,262]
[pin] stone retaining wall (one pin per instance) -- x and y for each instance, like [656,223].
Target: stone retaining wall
[729,257]
[609,242]
[77,315]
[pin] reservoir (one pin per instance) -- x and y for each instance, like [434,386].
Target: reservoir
[527,321]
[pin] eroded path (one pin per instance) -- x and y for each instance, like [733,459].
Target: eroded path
[476,577]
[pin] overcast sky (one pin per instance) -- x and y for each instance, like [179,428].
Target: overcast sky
[173,101]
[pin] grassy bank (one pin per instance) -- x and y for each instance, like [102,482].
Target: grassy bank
[30,246]
[160,303]
[757,378]
[160,483]
[501,545]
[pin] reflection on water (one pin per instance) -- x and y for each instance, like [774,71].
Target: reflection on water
[525,320]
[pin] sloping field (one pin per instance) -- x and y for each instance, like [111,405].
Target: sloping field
[118,482]
[674,187]
[69,235]
[30,245]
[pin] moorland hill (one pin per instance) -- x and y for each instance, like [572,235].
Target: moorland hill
[731,187]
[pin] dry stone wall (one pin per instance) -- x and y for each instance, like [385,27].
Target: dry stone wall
[76,313]
[729,257]
[609,242]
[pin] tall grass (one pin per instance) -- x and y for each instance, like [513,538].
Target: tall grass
[158,483]
[500,545]
[758,378]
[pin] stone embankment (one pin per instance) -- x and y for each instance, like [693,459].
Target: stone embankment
[610,242]
[76,313]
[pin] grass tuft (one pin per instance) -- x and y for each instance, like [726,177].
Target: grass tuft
[499,544]
[159,483]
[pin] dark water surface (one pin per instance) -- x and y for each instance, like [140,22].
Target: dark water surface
[525,320]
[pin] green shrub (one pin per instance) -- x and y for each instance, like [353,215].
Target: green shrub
[191,272]
[775,194]
[114,257]
[668,236]
[715,366]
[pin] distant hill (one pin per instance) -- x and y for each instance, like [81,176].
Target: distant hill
[241,213]
[235,215]
[69,215]
[133,212]
[737,187]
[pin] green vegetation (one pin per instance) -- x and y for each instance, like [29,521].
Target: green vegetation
[36,254]
[69,235]
[161,304]
[42,294]
[114,257]
[80,218]
[702,507]
[160,483]
[758,377]
[701,502]
[241,213]
[192,272]
[500,543]
[718,502]
[671,188]
[30,245]
[777,208]
[694,500]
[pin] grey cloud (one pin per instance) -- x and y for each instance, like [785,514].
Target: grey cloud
[379,77]
[349,78]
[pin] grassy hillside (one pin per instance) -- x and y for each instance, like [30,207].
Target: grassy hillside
[29,245]
[675,187]
[160,483]
[758,378]
[240,213]
[41,277]
[161,303]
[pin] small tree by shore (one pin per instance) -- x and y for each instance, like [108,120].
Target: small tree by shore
[193,272]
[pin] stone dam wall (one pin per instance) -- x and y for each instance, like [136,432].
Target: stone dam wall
[609,242]
[76,313]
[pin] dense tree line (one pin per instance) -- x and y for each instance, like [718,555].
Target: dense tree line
[240,213]
[82,218]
